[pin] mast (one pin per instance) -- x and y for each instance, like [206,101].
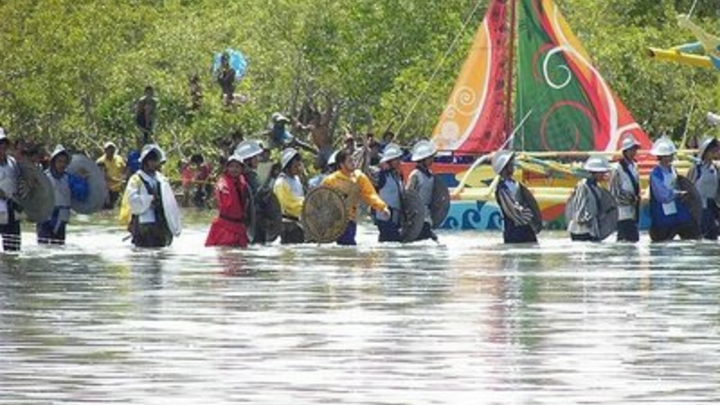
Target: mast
[510,63]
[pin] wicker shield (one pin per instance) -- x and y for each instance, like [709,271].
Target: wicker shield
[34,193]
[269,214]
[440,204]
[607,213]
[691,200]
[528,200]
[412,216]
[170,208]
[82,166]
[324,215]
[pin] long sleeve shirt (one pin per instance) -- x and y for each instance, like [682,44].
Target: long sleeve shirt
[355,186]
[289,192]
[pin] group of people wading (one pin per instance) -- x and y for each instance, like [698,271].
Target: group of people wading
[679,206]
[243,201]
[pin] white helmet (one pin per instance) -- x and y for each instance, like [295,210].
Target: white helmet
[712,119]
[235,158]
[663,147]
[277,117]
[629,142]
[501,159]
[392,151]
[597,164]
[149,148]
[248,149]
[705,144]
[423,150]
[286,156]
[332,160]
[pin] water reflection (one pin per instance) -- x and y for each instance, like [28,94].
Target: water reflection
[468,321]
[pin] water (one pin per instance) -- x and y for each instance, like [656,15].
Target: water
[469,321]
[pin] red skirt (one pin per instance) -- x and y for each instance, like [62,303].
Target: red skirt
[226,233]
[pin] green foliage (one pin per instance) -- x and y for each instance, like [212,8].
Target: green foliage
[72,69]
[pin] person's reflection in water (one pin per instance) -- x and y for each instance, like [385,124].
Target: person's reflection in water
[232,263]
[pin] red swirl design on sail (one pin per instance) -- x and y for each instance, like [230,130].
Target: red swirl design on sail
[572,104]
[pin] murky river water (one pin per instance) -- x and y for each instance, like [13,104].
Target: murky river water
[469,321]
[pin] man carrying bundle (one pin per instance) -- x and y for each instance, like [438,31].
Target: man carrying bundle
[517,214]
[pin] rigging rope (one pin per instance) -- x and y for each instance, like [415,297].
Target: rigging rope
[439,66]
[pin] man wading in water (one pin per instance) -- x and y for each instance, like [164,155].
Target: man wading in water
[355,185]
[143,203]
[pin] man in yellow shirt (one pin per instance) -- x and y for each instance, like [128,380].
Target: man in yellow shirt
[114,166]
[355,186]
[291,194]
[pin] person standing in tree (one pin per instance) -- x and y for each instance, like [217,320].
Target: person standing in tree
[226,80]
[145,114]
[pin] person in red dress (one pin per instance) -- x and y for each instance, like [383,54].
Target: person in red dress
[233,197]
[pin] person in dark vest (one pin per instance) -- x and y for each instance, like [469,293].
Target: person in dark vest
[517,217]
[584,226]
[291,194]
[232,193]
[250,151]
[147,199]
[704,174]
[625,187]
[67,187]
[670,217]
[9,221]
[422,180]
[389,184]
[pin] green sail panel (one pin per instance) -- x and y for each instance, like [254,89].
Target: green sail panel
[571,107]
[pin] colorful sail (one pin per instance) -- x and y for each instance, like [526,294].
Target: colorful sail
[473,120]
[573,108]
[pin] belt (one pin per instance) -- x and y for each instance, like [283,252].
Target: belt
[230,219]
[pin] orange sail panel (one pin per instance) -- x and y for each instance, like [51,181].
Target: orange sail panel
[473,120]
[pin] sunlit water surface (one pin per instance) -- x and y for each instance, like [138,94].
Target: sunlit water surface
[466,321]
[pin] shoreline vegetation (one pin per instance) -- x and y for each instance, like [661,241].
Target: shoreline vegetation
[72,70]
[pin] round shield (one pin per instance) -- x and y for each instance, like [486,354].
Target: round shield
[324,215]
[82,166]
[170,208]
[608,215]
[528,200]
[691,200]
[440,204]
[35,193]
[269,214]
[412,217]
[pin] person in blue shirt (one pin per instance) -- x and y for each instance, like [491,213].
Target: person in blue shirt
[669,214]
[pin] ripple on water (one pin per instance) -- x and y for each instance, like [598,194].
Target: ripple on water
[465,321]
